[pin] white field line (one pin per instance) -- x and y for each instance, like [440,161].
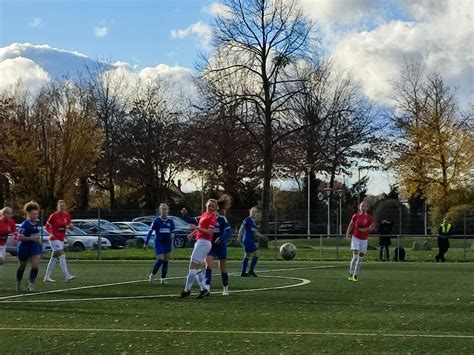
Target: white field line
[3,299]
[301,283]
[240,332]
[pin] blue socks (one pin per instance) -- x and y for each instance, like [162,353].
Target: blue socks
[245,262]
[33,275]
[19,274]
[208,276]
[225,279]
[253,263]
[164,269]
[157,267]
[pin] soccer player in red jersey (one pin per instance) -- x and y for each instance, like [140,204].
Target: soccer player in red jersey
[7,227]
[56,226]
[361,224]
[203,233]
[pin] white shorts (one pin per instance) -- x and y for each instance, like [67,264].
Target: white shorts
[56,245]
[3,249]
[202,247]
[359,244]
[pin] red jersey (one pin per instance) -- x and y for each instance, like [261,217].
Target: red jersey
[7,226]
[207,220]
[361,221]
[57,224]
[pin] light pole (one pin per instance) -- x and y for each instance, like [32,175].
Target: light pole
[327,190]
[308,177]
[339,193]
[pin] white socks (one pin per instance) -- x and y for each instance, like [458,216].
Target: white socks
[352,267]
[201,277]
[356,263]
[190,279]
[62,262]
[50,268]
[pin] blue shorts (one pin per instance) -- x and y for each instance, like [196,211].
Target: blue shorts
[162,248]
[250,247]
[27,250]
[218,251]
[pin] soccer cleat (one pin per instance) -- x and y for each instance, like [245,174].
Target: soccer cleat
[48,279]
[184,294]
[18,286]
[354,278]
[31,287]
[244,274]
[225,291]
[204,293]
[70,278]
[350,277]
[252,273]
[164,282]
[150,278]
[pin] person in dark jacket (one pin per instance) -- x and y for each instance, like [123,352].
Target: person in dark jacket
[385,229]
[445,231]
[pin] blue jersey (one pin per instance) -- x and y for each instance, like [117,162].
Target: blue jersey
[223,229]
[29,229]
[163,229]
[250,226]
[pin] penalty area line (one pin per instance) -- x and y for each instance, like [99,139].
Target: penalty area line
[233,332]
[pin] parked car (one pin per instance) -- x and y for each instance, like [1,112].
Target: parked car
[80,240]
[116,236]
[11,246]
[180,233]
[139,229]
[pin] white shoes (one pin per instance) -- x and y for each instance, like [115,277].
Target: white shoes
[150,278]
[164,282]
[31,287]
[225,291]
[70,278]
[48,279]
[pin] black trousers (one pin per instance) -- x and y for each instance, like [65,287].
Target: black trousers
[443,246]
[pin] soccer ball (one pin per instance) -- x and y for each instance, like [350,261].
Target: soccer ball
[288,251]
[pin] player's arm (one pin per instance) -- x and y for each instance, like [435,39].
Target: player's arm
[239,234]
[150,233]
[48,225]
[350,227]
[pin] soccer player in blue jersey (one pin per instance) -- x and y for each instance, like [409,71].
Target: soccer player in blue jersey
[248,230]
[163,228]
[219,245]
[29,247]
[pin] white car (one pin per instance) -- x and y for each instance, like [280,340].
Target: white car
[11,246]
[80,240]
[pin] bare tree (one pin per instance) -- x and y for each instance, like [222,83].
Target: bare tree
[106,88]
[257,44]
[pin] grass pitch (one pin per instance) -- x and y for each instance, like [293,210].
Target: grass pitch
[292,307]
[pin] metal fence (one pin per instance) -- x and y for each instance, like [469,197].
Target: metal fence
[325,240]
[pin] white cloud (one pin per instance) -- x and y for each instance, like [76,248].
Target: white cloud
[364,37]
[24,70]
[101,31]
[216,9]
[35,22]
[199,29]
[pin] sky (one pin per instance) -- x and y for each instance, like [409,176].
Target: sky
[45,39]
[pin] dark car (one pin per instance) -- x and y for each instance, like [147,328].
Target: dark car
[116,236]
[300,228]
[180,233]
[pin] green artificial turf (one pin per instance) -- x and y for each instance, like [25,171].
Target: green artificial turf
[394,308]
